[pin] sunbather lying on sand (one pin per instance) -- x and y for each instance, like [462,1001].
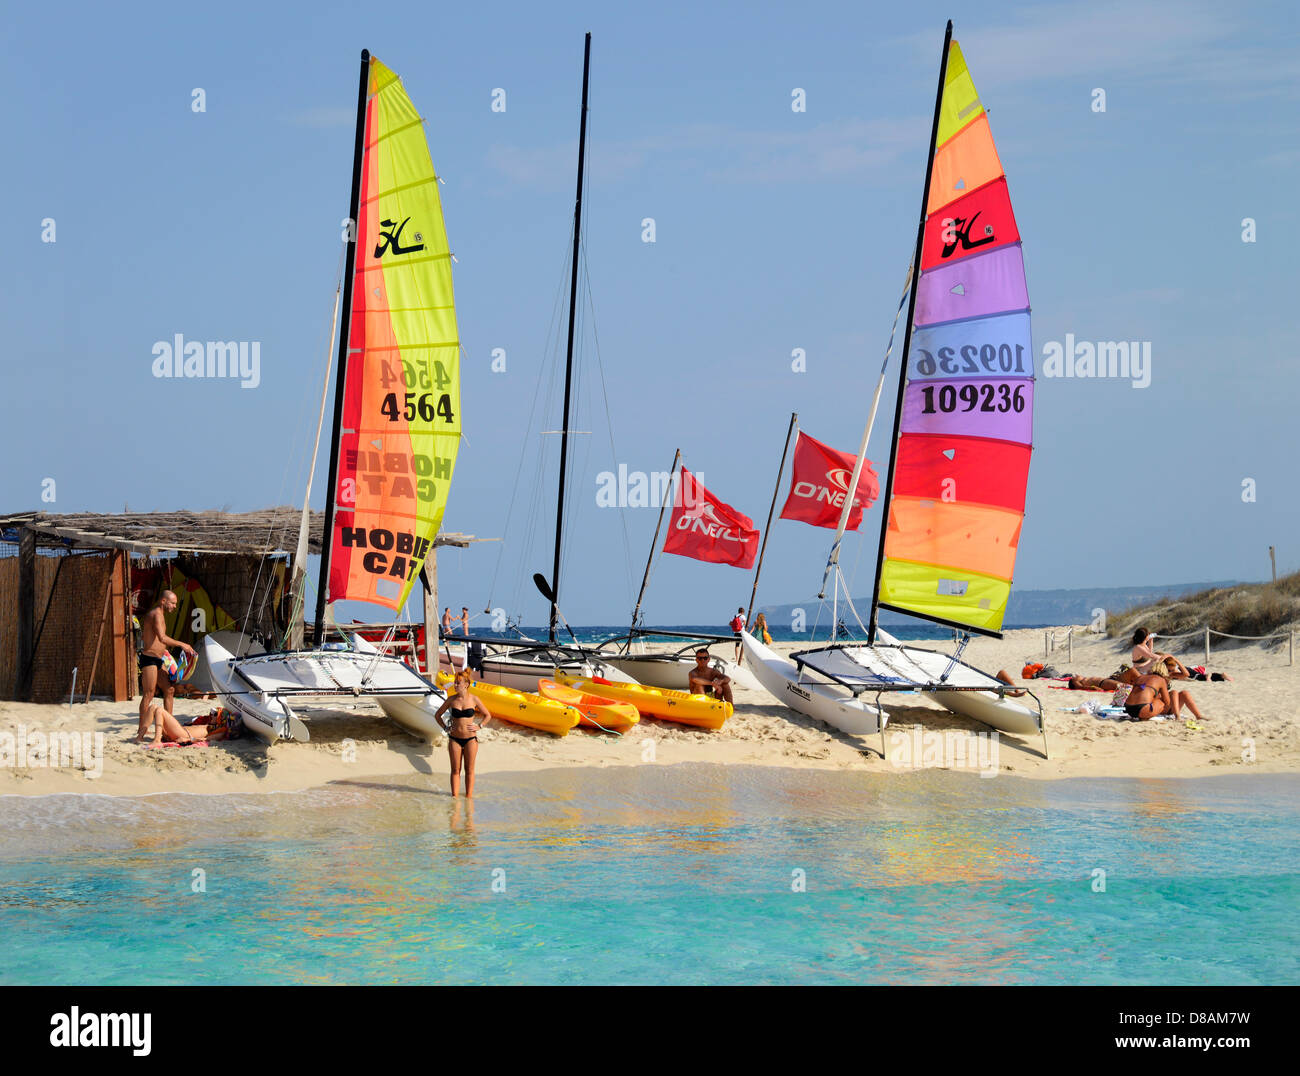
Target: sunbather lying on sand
[1093,683]
[162,727]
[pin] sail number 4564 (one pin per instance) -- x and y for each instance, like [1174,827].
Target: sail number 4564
[416,375]
[421,405]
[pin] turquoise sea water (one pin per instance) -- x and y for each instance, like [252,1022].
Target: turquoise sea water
[662,874]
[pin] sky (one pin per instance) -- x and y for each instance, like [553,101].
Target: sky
[775,230]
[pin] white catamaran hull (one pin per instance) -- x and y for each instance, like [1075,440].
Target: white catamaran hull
[666,671]
[263,689]
[415,712]
[984,706]
[522,672]
[267,717]
[825,702]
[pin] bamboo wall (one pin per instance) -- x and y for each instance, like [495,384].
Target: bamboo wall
[71,626]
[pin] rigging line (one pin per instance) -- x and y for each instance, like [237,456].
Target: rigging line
[848,598]
[560,371]
[859,459]
[528,428]
[543,405]
[604,390]
[291,462]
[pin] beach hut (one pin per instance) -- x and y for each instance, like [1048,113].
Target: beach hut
[71,584]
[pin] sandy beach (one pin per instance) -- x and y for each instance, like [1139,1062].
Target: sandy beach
[1250,725]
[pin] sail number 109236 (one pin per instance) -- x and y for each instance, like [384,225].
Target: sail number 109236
[970,397]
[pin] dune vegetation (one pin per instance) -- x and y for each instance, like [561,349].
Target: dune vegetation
[1250,609]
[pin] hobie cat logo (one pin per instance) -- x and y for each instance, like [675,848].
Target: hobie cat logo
[392,239]
[957,230]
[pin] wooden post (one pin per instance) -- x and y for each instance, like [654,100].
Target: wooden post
[103,617]
[1290,643]
[124,669]
[1272,556]
[1207,647]
[431,622]
[26,612]
[1069,641]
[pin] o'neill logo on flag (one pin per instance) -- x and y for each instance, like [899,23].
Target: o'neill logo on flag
[821,482]
[703,528]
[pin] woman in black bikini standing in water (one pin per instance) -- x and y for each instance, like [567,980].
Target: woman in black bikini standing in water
[462,731]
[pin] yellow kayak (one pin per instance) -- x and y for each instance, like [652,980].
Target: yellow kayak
[596,712]
[702,711]
[522,708]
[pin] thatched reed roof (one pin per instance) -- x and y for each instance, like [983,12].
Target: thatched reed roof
[152,534]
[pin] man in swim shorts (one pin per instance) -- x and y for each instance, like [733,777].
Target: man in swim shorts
[154,645]
[706,680]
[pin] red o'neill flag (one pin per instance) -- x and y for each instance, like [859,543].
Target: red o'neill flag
[704,528]
[821,481]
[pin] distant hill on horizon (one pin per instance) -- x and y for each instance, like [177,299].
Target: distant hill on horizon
[1035,608]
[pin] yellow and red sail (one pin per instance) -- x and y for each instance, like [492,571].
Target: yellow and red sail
[966,431]
[400,425]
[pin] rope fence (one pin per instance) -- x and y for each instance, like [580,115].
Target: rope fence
[1051,638]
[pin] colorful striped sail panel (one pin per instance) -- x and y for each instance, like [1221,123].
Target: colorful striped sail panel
[966,431]
[401,409]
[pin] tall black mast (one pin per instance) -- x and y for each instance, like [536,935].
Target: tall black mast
[907,343]
[568,362]
[345,335]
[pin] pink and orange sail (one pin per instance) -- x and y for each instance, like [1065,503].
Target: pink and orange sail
[401,422]
[966,430]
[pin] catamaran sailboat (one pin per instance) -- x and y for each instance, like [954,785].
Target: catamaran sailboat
[959,461]
[395,436]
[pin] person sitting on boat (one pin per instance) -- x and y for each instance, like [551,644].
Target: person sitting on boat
[1147,660]
[1151,697]
[462,730]
[153,652]
[162,727]
[706,680]
[737,624]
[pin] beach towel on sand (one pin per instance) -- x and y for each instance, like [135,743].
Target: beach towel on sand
[221,720]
